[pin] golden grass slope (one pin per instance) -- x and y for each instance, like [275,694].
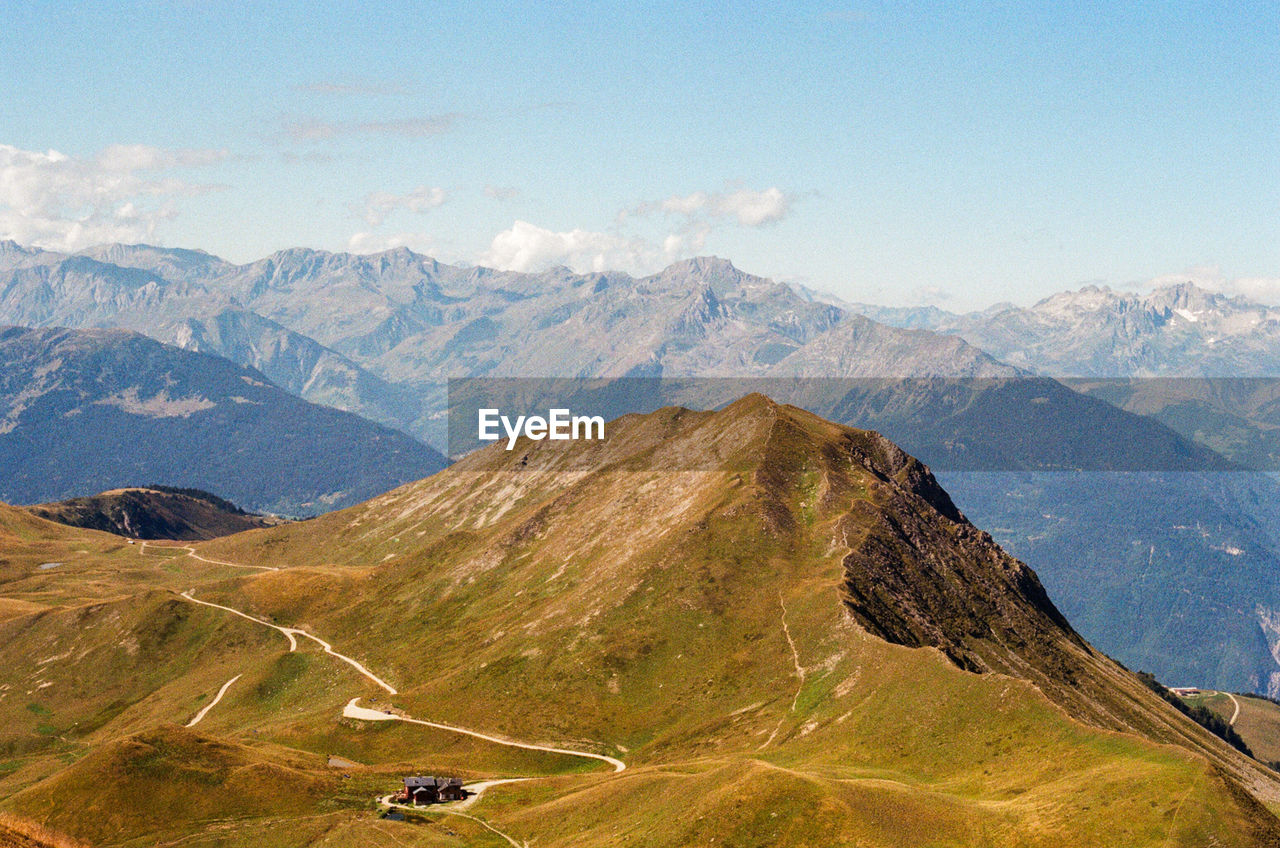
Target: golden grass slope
[132,786]
[704,595]
[1258,722]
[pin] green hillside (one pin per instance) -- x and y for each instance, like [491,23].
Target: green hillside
[798,641]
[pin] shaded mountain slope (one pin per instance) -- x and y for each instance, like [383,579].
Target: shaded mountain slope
[153,513]
[92,410]
[296,363]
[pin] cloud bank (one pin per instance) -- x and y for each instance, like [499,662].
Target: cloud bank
[60,202]
[528,247]
[379,205]
[749,208]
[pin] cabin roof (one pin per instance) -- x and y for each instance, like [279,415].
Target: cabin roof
[431,782]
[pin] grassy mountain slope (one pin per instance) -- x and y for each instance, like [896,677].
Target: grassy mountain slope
[726,620]
[135,782]
[797,640]
[379,334]
[1257,722]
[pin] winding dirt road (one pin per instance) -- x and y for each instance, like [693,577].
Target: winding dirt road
[292,633]
[1235,715]
[191,552]
[1236,712]
[353,710]
[366,714]
[214,702]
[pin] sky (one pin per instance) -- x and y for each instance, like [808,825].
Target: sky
[953,154]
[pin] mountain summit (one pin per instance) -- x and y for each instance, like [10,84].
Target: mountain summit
[773,629]
[795,591]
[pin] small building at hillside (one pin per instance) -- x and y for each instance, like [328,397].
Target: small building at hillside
[421,791]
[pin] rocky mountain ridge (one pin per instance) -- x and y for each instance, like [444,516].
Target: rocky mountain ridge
[356,332]
[1176,330]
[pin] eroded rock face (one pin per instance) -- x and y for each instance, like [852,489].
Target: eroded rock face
[918,573]
[1269,621]
[917,576]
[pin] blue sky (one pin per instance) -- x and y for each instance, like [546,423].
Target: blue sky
[959,154]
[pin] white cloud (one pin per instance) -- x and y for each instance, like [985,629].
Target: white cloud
[929,295]
[140,157]
[1263,289]
[379,205]
[749,208]
[690,241]
[526,247]
[63,202]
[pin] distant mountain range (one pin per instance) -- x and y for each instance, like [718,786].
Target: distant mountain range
[1178,330]
[1206,364]
[379,335]
[87,410]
